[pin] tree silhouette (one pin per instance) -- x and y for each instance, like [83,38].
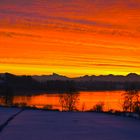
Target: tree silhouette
[69,101]
[8,97]
[131,99]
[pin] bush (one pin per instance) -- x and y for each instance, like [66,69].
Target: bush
[99,107]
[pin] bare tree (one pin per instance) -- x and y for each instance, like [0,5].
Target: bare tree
[8,96]
[131,100]
[83,107]
[69,101]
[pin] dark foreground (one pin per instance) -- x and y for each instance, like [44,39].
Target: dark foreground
[43,125]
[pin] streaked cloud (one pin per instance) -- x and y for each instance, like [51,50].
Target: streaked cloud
[92,36]
[13,34]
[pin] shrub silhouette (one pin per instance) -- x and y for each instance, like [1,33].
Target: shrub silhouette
[99,107]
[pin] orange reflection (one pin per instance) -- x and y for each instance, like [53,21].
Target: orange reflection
[111,100]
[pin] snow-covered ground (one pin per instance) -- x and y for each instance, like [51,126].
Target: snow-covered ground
[6,113]
[41,125]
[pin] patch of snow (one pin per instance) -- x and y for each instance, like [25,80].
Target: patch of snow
[6,113]
[43,125]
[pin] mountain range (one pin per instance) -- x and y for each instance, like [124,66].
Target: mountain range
[131,77]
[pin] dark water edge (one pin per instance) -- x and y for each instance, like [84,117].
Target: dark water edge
[39,92]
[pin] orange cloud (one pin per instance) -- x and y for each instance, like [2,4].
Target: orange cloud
[69,37]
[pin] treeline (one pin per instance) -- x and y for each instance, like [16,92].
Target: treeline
[60,86]
[10,83]
[18,83]
[105,85]
[27,83]
[71,85]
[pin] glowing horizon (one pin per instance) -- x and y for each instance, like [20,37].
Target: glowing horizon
[72,38]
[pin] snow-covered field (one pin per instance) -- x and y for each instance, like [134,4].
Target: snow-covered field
[5,113]
[43,125]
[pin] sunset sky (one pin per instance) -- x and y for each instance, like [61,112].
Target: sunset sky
[70,37]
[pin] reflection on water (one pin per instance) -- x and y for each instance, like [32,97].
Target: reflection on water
[111,100]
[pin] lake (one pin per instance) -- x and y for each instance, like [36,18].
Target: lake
[111,99]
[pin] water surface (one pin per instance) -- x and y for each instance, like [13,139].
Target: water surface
[87,100]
